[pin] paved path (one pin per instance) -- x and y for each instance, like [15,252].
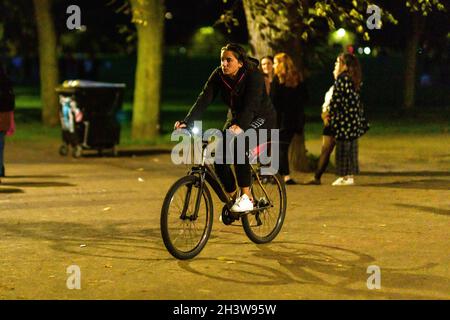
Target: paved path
[102,214]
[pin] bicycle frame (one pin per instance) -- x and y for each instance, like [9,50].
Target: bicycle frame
[207,173]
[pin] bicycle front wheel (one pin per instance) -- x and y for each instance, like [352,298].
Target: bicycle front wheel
[263,226]
[185,230]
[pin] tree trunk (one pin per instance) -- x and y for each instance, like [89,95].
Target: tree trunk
[48,61]
[412,44]
[298,159]
[260,47]
[148,16]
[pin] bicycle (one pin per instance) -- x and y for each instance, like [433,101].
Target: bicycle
[187,211]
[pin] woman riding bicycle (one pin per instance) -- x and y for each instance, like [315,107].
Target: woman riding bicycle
[242,88]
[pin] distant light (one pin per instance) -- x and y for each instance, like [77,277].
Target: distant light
[367,50]
[360,50]
[207,30]
[168,15]
[341,33]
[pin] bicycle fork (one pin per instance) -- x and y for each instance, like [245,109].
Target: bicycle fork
[187,199]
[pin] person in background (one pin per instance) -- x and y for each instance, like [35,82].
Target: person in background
[289,94]
[328,141]
[7,104]
[267,69]
[346,117]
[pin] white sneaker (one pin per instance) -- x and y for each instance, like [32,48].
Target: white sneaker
[343,182]
[242,204]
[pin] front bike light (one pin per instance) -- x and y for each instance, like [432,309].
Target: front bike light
[195,130]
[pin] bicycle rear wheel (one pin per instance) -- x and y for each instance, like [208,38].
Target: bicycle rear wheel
[263,226]
[184,230]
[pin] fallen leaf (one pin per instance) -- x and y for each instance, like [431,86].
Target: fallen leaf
[204,290]
[83,245]
[107,209]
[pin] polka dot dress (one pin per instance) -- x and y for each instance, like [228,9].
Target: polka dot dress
[346,112]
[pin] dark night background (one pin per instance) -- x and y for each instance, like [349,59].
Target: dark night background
[109,43]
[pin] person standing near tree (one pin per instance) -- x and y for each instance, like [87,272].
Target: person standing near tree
[267,69]
[346,117]
[344,122]
[328,141]
[7,104]
[289,94]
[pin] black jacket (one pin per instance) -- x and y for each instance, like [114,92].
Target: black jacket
[289,105]
[245,96]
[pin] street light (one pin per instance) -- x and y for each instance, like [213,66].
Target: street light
[341,33]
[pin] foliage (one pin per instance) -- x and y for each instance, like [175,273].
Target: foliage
[306,21]
[206,41]
[17,27]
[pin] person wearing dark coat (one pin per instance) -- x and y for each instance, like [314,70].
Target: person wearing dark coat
[289,94]
[241,86]
[346,117]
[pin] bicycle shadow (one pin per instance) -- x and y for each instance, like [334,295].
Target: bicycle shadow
[329,267]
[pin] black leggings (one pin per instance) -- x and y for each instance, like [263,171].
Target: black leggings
[328,143]
[225,173]
[243,170]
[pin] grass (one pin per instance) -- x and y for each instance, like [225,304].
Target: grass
[384,122]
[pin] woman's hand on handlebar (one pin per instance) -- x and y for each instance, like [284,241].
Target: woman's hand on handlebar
[236,129]
[179,125]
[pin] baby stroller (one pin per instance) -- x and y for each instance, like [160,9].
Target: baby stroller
[89,112]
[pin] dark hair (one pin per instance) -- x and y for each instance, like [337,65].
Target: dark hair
[241,55]
[267,57]
[353,68]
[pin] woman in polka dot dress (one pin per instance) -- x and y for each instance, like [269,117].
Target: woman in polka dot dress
[346,117]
